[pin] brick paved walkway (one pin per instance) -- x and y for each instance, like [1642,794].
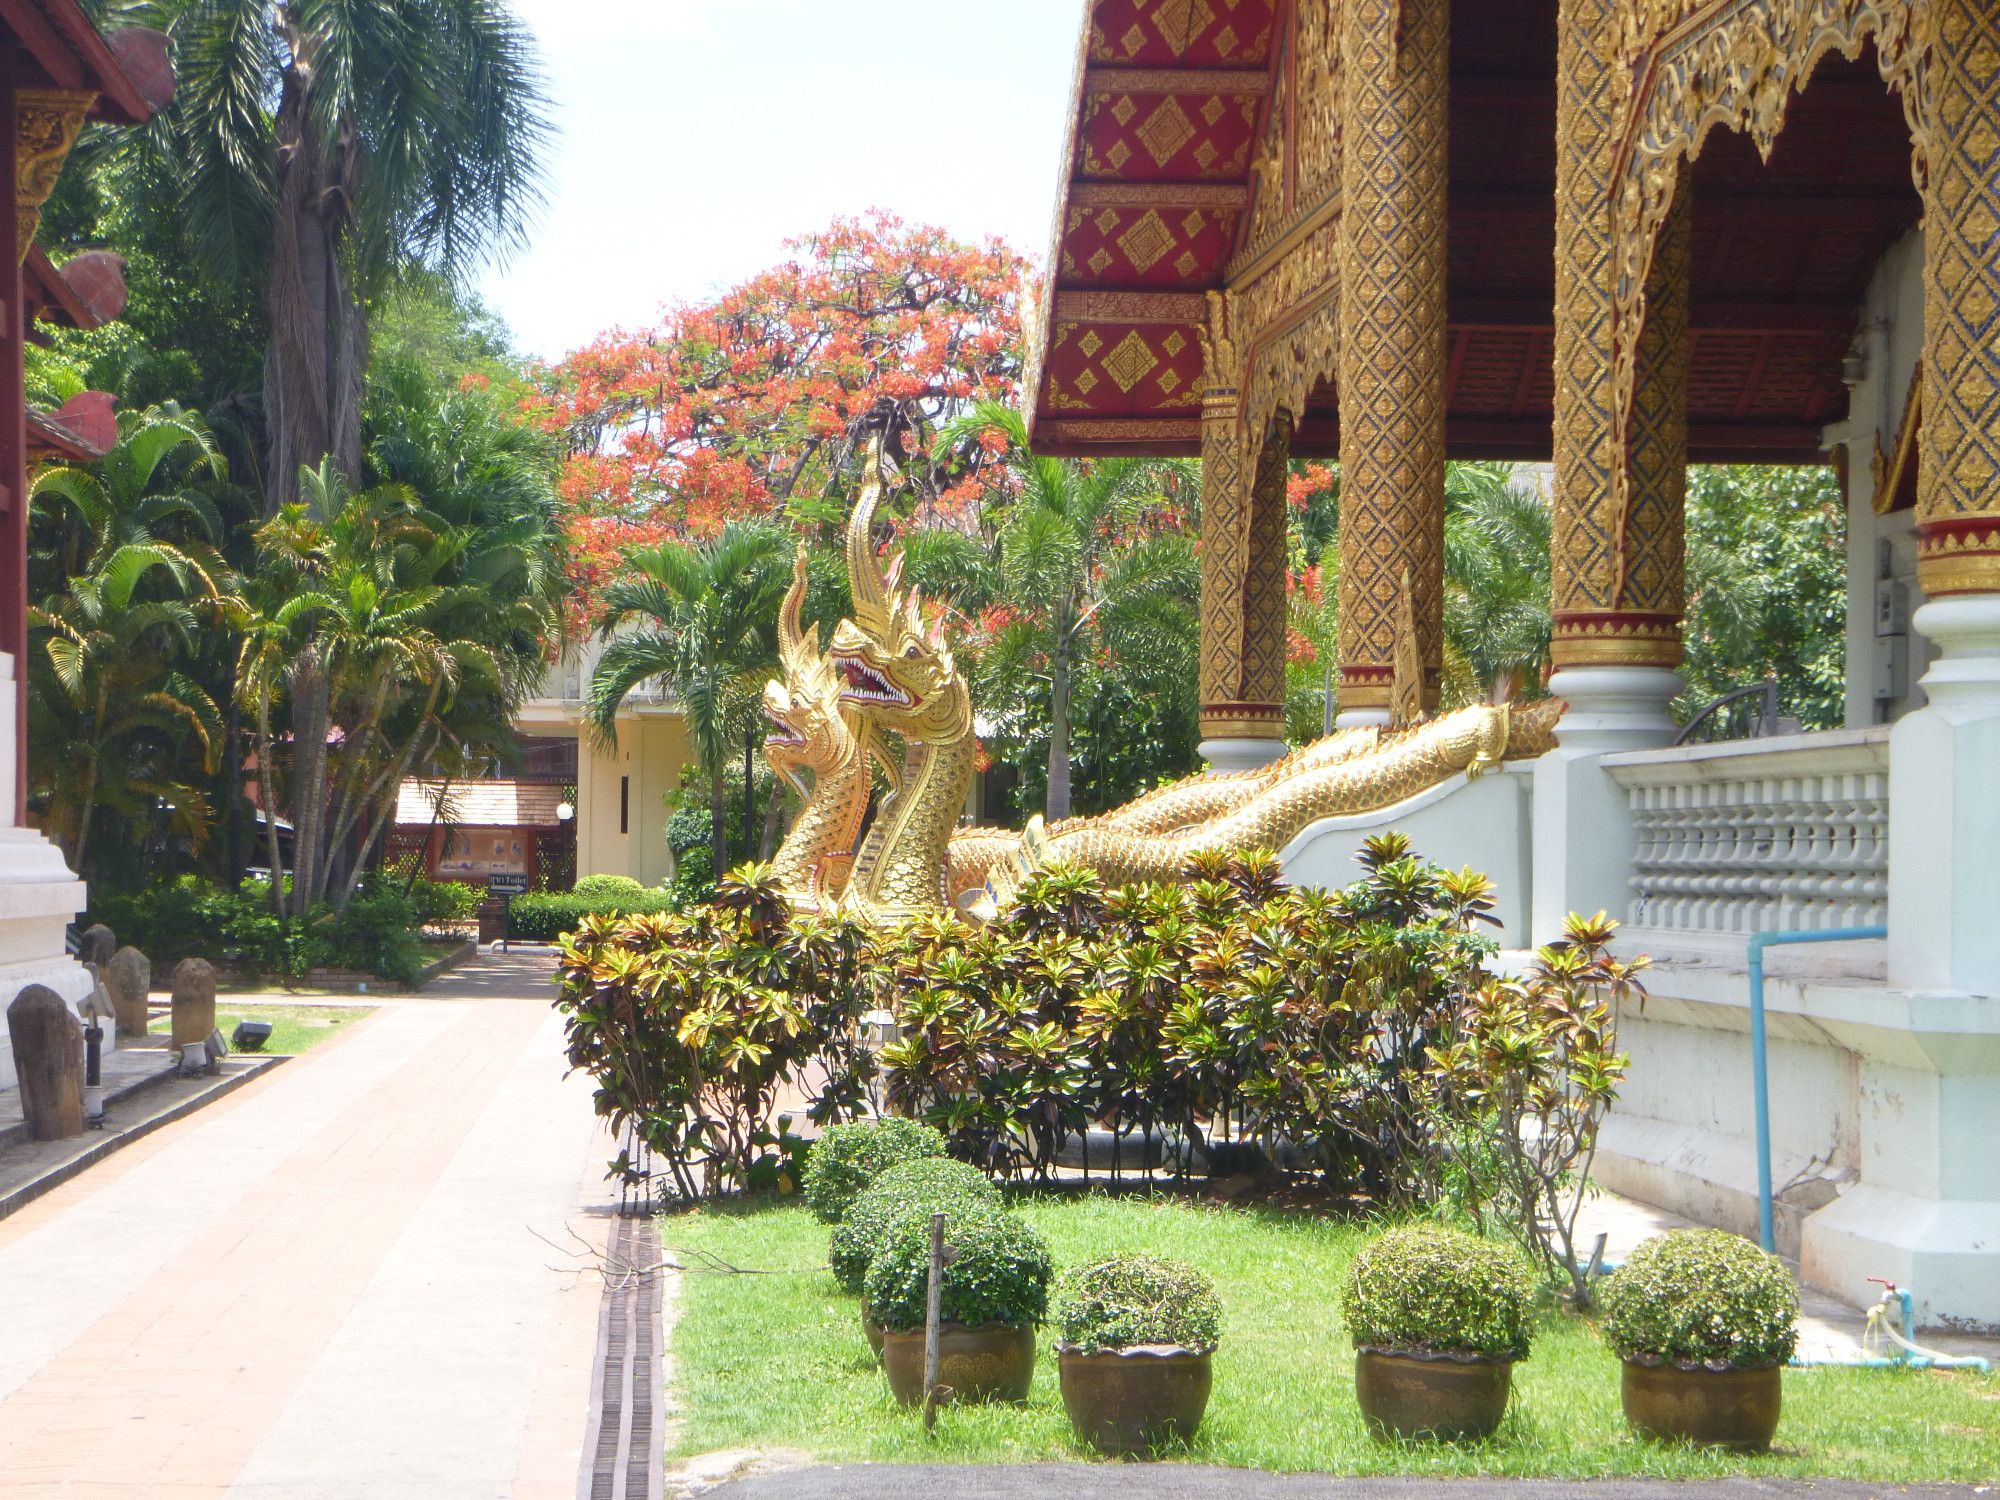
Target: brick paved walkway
[329,1284]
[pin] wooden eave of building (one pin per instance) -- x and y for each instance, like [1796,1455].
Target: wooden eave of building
[48,298]
[62,50]
[1784,249]
[49,439]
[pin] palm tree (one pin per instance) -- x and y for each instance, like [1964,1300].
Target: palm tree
[1496,567]
[710,613]
[111,719]
[319,149]
[1072,559]
[136,577]
[367,602]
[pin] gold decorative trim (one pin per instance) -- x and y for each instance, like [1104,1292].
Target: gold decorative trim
[46,125]
[1188,308]
[1890,472]
[1253,261]
[1103,83]
[1159,195]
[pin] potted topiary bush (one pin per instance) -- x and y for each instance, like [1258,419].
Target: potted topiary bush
[995,1290]
[846,1158]
[1138,1338]
[1438,1319]
[913,1189]
[1704,1322]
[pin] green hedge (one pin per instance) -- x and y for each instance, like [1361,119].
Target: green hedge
[380,933]
[544,916]
[999,1270]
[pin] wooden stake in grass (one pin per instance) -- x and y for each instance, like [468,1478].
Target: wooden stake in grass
[933,1298]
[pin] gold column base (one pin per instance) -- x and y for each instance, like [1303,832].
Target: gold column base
[1243,721]
[1617,638]
[1959,556]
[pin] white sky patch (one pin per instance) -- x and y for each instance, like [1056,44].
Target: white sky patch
[698,135]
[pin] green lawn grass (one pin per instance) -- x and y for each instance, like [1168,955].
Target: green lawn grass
[295,1028]
[778,1361]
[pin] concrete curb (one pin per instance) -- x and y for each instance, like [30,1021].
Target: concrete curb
[55,1176]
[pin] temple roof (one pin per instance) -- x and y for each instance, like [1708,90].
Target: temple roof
[1165,165]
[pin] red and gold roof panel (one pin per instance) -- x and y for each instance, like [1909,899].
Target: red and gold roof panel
[1123,355]
[1182,33]
[1168,126]
[1123,239]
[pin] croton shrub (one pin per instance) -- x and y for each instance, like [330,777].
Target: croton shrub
[1356,1029]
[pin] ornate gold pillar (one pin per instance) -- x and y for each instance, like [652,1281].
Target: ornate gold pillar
[1242,565]
[1616,575]
[1958,445]
[1944,883]
[1394,60]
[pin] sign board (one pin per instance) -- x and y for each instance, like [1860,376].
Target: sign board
[506,885]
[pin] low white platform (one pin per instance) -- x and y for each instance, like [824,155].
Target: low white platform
[1485,823]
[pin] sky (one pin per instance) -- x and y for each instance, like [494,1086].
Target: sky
[696,136]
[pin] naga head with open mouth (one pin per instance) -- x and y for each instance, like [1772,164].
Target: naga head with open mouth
[896,670]
[810,729]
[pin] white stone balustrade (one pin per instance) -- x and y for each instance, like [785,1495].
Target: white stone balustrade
[1788,834]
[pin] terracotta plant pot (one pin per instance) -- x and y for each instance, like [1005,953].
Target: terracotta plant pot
[874,1331]
[992,1362]
[1711,1408]
[1440,1396]
[1134,1400]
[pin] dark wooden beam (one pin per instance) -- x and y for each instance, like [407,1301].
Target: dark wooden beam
[1765,208]
[1532,315]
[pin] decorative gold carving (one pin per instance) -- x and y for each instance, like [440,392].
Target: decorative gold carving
[1243,547]
[1187,308]
[1292,315]
[1661,75]
[1114,430]
[1103,84]
[1392,337]
[1651,554]
[1958,441]
[1313,149]
[1263,668]
[46,124]
[1224,506]
[1895,474]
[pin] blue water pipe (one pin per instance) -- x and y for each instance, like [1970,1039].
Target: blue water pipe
[1761,1089]
[1759,1079]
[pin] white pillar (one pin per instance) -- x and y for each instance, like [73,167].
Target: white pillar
[1944,809]
[1583,840]
[1240,755]
[1363,718]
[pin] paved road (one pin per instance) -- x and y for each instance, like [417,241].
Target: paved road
[1196,1482]
[329,1284]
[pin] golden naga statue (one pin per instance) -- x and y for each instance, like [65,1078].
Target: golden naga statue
[887,673]
[816,732]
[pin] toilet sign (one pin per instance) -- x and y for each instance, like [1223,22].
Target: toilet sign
[506,885]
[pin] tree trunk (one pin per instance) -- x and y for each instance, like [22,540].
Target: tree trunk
[774,804]
[718,827]
[1058,803]
[310,693]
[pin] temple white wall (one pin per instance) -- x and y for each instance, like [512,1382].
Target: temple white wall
[1484,823]
[1886,657]
[39,897]
[1884,1056]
